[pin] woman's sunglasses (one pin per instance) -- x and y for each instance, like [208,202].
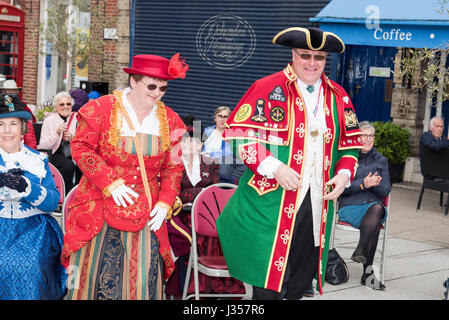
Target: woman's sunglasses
[152,87]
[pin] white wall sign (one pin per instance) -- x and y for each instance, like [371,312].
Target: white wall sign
[379,72]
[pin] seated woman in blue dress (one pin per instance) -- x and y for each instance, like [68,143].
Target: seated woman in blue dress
[31,241]
[361,203]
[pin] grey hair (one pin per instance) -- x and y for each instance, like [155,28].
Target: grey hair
[432,121]
[62,94]
[366,125]
[220,109]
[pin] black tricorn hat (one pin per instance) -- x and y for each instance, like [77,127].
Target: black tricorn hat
[309,39]
[12,107]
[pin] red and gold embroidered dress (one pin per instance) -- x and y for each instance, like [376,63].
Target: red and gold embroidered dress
[100,152]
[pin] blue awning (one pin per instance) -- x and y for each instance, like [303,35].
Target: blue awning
[388,23]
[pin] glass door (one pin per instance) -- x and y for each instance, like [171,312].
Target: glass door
[9,51]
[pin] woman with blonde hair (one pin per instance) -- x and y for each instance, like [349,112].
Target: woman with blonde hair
[219,151]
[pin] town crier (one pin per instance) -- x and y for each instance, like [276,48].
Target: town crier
[297,132]
[127,146]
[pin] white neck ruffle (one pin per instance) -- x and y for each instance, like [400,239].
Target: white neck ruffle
[24,159]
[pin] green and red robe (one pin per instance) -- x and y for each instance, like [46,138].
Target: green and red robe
[256,226]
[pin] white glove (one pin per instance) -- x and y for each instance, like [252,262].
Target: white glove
[122,193]
[158,213]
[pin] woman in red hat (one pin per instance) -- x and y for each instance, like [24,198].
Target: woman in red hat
[116,242]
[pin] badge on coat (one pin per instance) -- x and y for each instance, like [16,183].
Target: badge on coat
[277,94]
[259,113]
[350,119]
[277,114]
[243,113]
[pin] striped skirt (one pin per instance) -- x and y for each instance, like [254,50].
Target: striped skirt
[116,265]
[149,143]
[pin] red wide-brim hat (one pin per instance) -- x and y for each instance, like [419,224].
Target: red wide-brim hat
[158,67]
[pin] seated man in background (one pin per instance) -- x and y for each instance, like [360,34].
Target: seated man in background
[434,138]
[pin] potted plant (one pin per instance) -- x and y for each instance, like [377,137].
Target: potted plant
[393,142]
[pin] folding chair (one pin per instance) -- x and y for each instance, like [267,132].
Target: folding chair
[434,164]
[340,225]
[206,208]
[59,180]
[65,208]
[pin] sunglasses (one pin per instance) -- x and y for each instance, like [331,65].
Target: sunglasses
[152,87]
[308,56]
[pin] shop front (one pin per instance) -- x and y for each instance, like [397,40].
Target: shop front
[378,34]
[375,33]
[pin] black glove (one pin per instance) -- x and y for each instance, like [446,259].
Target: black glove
[13,179]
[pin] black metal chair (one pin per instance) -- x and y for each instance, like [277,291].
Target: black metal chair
[435,170]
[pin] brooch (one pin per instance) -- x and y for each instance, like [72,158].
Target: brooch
[8,102]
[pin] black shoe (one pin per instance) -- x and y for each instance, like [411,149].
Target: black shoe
[374,283]
[309,293]
[358,255]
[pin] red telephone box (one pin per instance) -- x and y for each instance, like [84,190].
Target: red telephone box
[12,28]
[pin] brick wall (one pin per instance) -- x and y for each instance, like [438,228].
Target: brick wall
[31,51]
[407,108]
[107,65]
[31,54]
[123,43]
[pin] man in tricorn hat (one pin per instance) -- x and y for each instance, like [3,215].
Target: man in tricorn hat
[275,230]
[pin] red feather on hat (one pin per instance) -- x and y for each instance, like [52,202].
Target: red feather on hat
[177,67]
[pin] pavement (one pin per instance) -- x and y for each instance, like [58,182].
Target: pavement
[417,261]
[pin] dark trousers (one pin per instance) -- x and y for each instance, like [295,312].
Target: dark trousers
[302,261]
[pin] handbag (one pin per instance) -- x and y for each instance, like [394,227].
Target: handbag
[336,271]
[65,145]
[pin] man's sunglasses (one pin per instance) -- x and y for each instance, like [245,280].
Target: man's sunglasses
[308,56]
[152,87]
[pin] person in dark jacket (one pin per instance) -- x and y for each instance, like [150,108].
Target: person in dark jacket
[434,138]
[361,203]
